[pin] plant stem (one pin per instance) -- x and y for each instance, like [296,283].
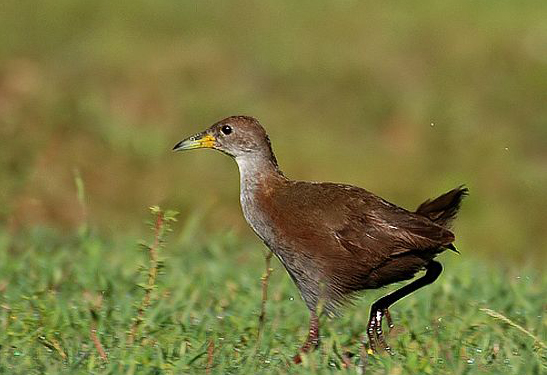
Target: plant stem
[264,280]
[152,274]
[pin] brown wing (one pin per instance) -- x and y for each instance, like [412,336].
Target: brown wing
[362,222]
[391,231]
[354,236]
[381,243]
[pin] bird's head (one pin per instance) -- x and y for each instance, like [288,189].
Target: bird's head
[237,136]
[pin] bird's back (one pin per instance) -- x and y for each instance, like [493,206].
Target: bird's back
[346,213]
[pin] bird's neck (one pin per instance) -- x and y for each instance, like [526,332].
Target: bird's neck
[260,177]
[256,170]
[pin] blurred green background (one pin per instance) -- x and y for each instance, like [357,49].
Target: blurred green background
[406,99]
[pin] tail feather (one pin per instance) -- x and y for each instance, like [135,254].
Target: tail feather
[443,210]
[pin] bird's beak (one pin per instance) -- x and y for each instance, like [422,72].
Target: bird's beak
[200,140]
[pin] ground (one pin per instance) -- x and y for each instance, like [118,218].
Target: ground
[203,316]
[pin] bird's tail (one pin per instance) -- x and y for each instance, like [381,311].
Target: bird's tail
[443,210]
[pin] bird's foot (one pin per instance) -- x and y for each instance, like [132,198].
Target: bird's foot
[375,333]
[309,345]
[387,314]
[312,342]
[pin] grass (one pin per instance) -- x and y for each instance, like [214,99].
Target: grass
[69,302]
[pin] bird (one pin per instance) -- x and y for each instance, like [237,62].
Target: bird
[334,240]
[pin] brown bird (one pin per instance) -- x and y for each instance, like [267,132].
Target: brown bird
[334,239]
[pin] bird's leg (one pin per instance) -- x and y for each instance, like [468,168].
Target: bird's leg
[379,309]
[312,342]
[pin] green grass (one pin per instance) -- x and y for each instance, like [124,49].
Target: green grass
[206,303]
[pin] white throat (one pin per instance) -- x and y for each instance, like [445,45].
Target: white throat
[252,171]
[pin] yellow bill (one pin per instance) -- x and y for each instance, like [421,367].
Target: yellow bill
[200,140]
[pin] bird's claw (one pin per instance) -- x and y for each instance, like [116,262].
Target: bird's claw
[374,331]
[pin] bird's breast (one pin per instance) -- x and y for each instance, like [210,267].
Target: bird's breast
[257,212]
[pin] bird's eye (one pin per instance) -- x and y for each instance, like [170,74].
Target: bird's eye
[226,129]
